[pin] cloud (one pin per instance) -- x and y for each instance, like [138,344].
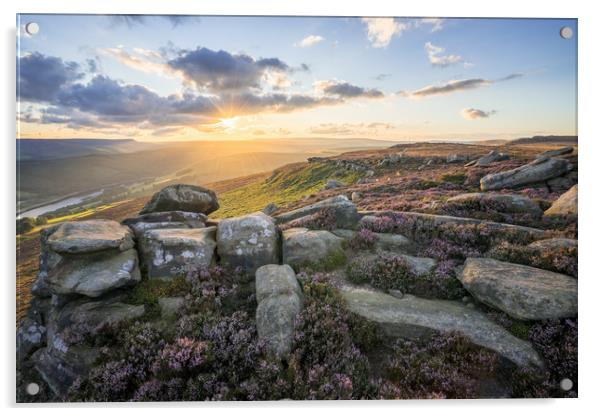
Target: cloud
[381,30]
[347,129]
[133,20]
[511,76]
[144,62]
[447,88]
[310,40]
[436,23]
[436,59]
[346,90]
[218,71]
[41,77]
[382,77]
[473,113]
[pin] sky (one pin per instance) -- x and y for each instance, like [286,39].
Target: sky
[165,78]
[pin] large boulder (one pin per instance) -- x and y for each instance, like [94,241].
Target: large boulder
[554,244]
[190,198]
[273,279]
[168,219]
[412,317]
[567,150]
[249,241]
[94,275]
[537,171]
[489,158]
[168,253]
[566,204]
[522,292]
[87,258]
[344,211]
[275,318]
[78,237]
[303,247]
[279,299]
[508,203]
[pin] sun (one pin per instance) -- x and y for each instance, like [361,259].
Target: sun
[228,123]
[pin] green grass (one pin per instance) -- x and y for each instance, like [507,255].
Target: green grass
[149,291]
[287,184]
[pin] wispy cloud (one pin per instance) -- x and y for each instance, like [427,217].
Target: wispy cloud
[474,114]
[436,57]
[346,90]
[348,129]
[455,86]
[310,40]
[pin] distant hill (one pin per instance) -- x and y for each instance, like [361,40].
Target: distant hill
[51,149]
[545,140]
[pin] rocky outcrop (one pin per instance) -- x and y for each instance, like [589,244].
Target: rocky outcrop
[31,335]
[90,236]
[412,317]
[168,253]
[249,241]
[522,292]
[189,198]
[384,241]
[279,300]
[508,203]
[419,226]
[456,158]
[555,152]
[88,258]
[332,184]
[65,358]
[95,275]
[537,171]
[344,210]
[303,247]
[566,204]
[490,158]
[168,219]
[554,244]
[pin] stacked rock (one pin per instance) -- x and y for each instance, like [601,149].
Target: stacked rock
[279,300]
[82,267]
[171,231]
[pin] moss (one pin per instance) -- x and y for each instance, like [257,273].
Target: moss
[149,291]
[520,329]
[455,178]
[332,261]
[285,185]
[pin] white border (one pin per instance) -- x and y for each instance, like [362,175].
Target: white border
[590,154]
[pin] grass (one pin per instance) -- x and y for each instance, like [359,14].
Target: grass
[288,184]
[149,291]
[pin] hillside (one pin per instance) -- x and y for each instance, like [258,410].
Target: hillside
[546,140]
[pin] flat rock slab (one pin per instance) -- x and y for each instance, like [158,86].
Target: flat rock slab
[189,198]
[168,253]
[508,203]
[345,211]
[537,171]
[522,292]
[421,225]
[273,279]
[412,317]
[491,157]
[168,219]
[303,247]
[94,275]
[554,244]
[384,241]
[249,241]
[556,152]
[566,204]
[77,237]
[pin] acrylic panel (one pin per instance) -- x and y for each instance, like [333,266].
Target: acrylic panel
[305,208]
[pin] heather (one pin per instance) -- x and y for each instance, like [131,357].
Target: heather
[560,260]
[390,271]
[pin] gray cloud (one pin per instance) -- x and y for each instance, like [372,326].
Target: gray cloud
[42,77]
[222,71]
[133,20]
[347,90]
[473,113]
[455,85]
